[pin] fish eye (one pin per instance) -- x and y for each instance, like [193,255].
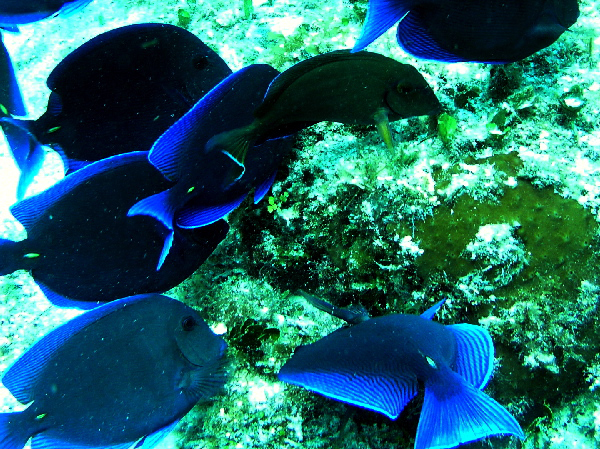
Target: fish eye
[403,89]
[188,323]
[200,62]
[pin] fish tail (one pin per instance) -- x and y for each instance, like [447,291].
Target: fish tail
[27,152]
[14,430]
[381,16]
[455,412]
[12,257]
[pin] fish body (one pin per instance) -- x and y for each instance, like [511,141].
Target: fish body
[125,372]
[379,363]
[204,188]
[82,248]
[11,100]
[118,93]
[363,88]
[489,31]
[20,12]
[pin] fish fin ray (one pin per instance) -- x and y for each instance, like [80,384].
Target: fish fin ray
[385,394]
[430,313]
[20,378]
[165,251]
[464,415]
[413,37]
[72,7]
[381,16]
[14,430]
[195,217]
[30,210]
[43,441]
[150,441]
[474,353]
[64,301]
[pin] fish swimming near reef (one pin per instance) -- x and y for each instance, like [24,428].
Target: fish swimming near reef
[205,190]
[121,374]
[21,12]
[363,88]
[378,364]
[115,94]
[82,248]
[489,31]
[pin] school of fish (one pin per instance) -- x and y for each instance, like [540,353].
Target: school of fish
[142,206]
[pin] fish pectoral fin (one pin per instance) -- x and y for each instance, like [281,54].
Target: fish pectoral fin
[234,143]
[462,415]
[383,127]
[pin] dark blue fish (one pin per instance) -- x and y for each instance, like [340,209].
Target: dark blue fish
[117,93]
[205,189]
[21,12]
[378,364]
[489,31]
[82,248]
[123,373]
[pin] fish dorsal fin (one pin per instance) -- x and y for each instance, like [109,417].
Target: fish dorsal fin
[414,38]
[430,313]
[167,153]
[474,353]
[22,376]
[465,415]
[381,15]
[284,80]
[72,7]
[30,210]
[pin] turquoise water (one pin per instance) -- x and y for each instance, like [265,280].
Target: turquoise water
[498,214]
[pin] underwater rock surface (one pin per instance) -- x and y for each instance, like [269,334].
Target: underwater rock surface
[495,210]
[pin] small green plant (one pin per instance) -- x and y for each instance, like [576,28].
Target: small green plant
[275,203]
[184,18]
[447,127]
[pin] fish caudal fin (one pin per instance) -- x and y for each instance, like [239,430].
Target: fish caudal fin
[381,16]
[455,412]
[14,430]
[27,152]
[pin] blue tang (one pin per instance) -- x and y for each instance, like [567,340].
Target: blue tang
[379,363]
[121,374]
[491,31]
[210,184]
[82,248]
[115,94]
[20,12]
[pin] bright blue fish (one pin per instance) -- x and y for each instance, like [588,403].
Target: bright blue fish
[490,31]
[210,184]
[379,362]
[21,12]
[122,374]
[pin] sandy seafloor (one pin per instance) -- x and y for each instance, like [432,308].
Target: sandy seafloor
[499,216]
